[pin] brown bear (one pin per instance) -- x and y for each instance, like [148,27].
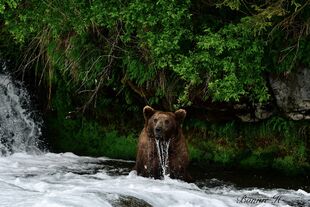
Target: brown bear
[162,149]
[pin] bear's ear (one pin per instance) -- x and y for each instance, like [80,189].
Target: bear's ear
[180,115]
[148,112]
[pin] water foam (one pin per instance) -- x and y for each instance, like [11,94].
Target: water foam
[19,132]
[65,180]
[163,155]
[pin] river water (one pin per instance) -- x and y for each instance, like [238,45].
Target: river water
[30,177]
[59,180]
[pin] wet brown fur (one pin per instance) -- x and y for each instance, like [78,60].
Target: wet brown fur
[147,161]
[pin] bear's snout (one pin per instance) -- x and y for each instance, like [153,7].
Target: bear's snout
[162,126]
[158,131]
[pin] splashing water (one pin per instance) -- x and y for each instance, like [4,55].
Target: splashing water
[67,180]
[18,130]
[163,154]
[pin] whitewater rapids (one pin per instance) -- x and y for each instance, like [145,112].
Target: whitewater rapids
[67,180]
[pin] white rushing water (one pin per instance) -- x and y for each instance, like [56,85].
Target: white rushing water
[31,178]
[18,131]
[163,154]
[59,180]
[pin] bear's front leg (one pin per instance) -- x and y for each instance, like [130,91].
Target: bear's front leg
[178,168]
[156,168]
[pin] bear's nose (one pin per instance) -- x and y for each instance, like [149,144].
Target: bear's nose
[158,129]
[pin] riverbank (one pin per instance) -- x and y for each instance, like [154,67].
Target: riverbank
[247,178]
[275,144]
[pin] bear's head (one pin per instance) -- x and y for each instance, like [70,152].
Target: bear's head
[163,125]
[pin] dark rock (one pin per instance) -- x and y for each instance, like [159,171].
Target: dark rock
[222,112]
[255,112]
[292,93]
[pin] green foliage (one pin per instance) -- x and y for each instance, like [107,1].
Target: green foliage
[85,136]
[116,146]
[138,72]
[89,138]
[224,156]
[220,151]
[280,125]
[11,4]
[276,143]
[226,130]
[196,155]
[287,165]
[254,162]
[229,62]
[101,44]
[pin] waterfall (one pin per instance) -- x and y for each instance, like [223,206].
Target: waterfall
[163,155]
[19,132]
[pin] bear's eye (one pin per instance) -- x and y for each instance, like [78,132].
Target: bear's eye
[166,121]
[155,120]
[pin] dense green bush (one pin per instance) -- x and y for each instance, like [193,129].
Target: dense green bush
[166,52]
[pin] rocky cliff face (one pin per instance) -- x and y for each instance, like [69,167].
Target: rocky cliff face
[292,93]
